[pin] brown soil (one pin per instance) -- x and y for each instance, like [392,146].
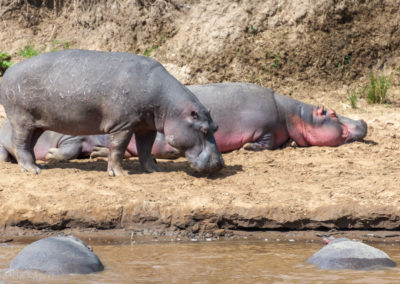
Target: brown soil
[313,52]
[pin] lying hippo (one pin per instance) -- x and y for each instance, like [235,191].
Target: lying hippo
[80,92]
[343,253]
[58,255]
[54,146]
[259,118]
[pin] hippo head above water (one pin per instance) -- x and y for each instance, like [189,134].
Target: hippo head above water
[315,126]
[193,134]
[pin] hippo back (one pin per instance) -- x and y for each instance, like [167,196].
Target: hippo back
[58,255]
[346,254]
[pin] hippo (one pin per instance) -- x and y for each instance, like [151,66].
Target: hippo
[343,253]
[258,118]
[58,255]
[54,146]
[82,92]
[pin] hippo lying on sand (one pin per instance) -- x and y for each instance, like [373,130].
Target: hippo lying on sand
[54,146]
[343,253]
[80,92]
[58,255]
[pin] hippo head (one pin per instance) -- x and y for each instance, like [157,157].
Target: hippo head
[193,134]
[316,126]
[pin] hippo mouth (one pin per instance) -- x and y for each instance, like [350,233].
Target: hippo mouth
[354,131]
[206,162]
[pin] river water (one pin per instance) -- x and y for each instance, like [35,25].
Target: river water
[245,261]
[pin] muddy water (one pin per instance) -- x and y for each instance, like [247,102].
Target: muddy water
[206,262]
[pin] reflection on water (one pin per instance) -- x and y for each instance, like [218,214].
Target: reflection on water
[210,262]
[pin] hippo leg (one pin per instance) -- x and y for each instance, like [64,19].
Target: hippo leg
[264,142]
[24,139]
[118,143]
[70,148]
[99,151]
[4,155]
[144,144]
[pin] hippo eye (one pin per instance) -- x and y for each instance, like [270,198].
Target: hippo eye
[194,115]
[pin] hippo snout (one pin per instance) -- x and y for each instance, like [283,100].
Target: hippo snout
[358,130]
[208,161]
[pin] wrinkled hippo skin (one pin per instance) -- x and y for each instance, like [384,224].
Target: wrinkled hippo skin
[80,92]
[343,253]
[58,255]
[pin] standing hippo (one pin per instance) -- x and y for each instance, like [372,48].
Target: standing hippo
[54,146]
[58,255]
[81,92]
[343,253]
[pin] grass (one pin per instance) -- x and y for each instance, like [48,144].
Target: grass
[58,45]
[5,62]
[28,51]
[148,51]
[353,99]
[377,89]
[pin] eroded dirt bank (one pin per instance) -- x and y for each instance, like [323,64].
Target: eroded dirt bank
[316,52]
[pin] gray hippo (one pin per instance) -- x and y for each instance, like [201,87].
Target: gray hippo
[343,253]
[58,255]
[81,92]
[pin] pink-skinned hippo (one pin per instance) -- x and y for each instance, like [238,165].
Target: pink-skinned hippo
[343,253]
[81,92]
[259,118]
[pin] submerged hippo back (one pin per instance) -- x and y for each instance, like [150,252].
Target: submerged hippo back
[58,255]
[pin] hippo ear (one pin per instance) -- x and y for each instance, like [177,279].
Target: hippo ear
[332,113]
[320,110]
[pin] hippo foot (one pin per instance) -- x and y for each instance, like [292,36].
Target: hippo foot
[150,166]
[113,172]
[33,169]
[53,155]
[99,152]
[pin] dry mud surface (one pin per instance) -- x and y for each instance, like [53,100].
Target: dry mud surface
[354,186]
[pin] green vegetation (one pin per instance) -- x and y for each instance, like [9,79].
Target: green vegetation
[5,62]
[376,91]
[148,51]
[275,64]
[29,51]
[59,45]
[353,99]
